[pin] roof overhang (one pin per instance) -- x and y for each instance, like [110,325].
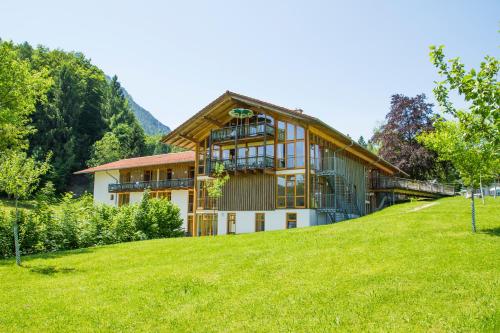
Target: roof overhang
[216,114]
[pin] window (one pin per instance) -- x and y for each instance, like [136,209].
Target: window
[291,146]
[191,172]
[206,224]
[290,191]
[164,195]
[125,177]
[260,219]
[169,173]
[291,220]
[123,199]
[148,175]
[231,223]
[190,201]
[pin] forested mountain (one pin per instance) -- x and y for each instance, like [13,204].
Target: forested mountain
[149,123]
[81,117]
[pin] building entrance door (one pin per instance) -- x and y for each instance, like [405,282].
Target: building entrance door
[231,223]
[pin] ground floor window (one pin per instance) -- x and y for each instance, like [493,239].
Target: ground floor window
[231,223]
[291,220]
[123,199]
[206,224]
[260,220]
[161,195]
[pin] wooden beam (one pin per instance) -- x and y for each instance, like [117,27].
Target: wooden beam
[214,121]
[189,138]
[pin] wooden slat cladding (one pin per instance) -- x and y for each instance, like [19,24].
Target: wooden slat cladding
[249,192]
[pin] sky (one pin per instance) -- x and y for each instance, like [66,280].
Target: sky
[339,61]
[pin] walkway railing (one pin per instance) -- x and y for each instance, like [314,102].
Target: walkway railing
[394,183]
[152,185]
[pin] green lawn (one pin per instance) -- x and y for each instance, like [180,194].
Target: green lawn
[397,270]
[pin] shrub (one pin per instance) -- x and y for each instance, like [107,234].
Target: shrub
[77,223]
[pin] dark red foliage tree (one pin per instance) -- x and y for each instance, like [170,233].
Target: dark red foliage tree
[409,116]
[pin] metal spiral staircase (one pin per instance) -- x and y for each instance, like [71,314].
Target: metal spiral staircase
[340,203]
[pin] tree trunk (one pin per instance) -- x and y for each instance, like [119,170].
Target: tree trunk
[481,187]
[473,208]
[16,239]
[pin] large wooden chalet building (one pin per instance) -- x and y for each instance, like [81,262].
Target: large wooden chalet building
[287,170]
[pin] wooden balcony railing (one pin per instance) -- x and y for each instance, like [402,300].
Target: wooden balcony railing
[180,183]
[245,163]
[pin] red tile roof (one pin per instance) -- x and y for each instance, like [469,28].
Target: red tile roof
[171,158]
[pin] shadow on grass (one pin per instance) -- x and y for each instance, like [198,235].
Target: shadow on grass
[491,231]
[48,255]
[49,269]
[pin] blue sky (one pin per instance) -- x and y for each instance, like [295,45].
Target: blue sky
[337,60]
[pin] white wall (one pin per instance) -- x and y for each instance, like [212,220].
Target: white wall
[136,197]
[101,181]
[274,220]
[180,198]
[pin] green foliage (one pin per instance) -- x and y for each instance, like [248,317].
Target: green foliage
[19,174]
[108,149]
[471,155]
[46,194]
[78,223]
[20,88]
[216,183]
[471,140]
[154,146]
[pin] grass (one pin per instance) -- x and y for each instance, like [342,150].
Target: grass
[397,270]
[10,204]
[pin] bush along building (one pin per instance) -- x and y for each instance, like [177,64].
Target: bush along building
[287,170]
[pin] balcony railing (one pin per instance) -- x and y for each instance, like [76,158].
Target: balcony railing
[243,131]
[179,183]
[382,182]
[245,163]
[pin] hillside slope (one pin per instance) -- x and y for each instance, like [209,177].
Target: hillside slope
[149,123]
[406,268]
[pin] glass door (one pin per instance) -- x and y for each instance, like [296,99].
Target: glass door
[231,223]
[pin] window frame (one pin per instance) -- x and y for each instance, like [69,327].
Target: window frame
[284,198]
[291,220]
[260,219]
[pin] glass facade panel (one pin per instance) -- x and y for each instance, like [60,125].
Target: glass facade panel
[301,154]
[290,131]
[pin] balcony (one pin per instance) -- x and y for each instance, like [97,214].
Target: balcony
[181,183]
[242,132]
[245,163]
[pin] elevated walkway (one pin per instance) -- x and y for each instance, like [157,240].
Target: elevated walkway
[411,187]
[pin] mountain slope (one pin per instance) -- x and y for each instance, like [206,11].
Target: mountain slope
[149,123]
[409,268]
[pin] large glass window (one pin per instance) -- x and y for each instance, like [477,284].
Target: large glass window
[292,153]
[290,191]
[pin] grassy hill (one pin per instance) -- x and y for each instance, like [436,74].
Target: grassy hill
[411,267]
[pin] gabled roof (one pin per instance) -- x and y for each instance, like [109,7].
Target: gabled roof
[215,114]
[128,163]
